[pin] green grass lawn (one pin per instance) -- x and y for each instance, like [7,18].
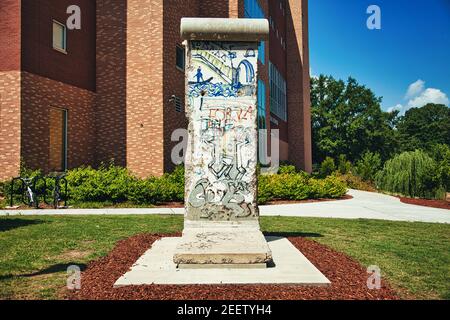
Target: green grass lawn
[35,251]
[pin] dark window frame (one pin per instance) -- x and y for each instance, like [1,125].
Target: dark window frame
[180,50]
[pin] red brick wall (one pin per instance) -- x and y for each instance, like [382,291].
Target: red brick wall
[38,55]
[173,82]
[298,91]
[56,139]
[10,35]
[39,94]
[9,124]
[111,60]
[145,103]
[213,8]
[9,88]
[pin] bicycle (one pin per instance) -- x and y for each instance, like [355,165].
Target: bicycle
[58,195]
[28,190]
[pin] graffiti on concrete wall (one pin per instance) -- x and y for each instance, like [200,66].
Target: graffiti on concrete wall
[221,159]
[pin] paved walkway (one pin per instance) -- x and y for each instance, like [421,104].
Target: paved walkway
[365,205]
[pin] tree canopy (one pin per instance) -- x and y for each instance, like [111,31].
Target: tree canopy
[347,119]
[421,128]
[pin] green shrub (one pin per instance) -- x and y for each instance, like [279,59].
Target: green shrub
[344,166]
[116,185]
[112,185]
[298,186]
[287,169]
[355,182]
[330,187]
[327,167]
[108,183]
[413,174]
[368,166]
[145,191]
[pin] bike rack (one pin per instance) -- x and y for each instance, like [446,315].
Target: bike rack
[32,182]
[57,195]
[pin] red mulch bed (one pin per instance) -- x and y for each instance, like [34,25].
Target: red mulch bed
[348,278]
[441,204]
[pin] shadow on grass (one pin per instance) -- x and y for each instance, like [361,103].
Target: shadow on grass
[293,234]
[9,224]
[60,267]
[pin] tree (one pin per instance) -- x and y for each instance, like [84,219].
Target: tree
[421,128]
[368,166]
[412,174]
[347,119]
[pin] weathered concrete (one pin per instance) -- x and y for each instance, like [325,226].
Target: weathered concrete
[157,267]
[223,29]
[229,246]
[221,157]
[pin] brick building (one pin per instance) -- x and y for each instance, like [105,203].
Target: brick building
[114,89]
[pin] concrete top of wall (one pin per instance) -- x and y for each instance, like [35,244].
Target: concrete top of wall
[224,29]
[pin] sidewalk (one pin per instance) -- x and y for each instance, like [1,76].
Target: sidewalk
[364,205]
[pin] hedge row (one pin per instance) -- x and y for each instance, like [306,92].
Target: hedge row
[298,186]
[113,184]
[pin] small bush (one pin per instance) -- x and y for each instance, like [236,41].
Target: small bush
[330,187]
[344,166]
[327,167]
[355,182]
[413,174]
[287,169]
[108,183]
[368,166]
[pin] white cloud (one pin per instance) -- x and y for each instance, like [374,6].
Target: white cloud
[418,96]
[430,95]
[396,107]
[415,89]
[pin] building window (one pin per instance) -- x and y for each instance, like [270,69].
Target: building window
[252,9]
[59,37]
[277,93]
[58,139]
[262,139]
[180,57]
[261,105]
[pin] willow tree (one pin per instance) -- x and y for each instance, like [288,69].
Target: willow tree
[412,174]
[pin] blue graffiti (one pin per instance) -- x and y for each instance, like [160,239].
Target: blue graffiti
[249,72]
[213,89]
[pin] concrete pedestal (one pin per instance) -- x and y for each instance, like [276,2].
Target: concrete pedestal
[156,266]
[224,246]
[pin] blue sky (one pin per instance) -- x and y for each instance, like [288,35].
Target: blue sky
[407,62]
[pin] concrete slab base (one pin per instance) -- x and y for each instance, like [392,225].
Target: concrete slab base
[289,266]
[224,246]
[223,266]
